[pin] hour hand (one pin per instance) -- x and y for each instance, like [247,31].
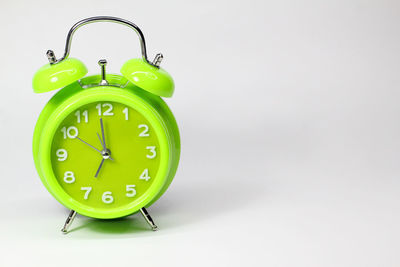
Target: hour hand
[105,150]
[101,141]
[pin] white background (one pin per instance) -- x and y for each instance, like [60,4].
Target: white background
[289,118]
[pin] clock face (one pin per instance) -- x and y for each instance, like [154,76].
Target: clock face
[105,155]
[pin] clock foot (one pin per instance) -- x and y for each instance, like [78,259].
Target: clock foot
[148,219]
[69,221]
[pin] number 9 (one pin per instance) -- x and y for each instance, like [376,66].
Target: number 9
[62,154]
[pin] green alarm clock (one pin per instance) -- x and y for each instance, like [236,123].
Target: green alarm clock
[105,146]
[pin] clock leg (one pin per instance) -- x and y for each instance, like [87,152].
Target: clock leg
[69,221]
[148,219]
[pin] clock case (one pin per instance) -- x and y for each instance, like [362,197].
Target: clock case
[141,84]
[86,91]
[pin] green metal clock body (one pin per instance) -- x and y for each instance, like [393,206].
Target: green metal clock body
[136,126]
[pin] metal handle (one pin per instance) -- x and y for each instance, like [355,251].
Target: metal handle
[99,19]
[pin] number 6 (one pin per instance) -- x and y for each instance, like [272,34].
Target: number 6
[107,197]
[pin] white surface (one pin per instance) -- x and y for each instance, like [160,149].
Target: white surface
[290,127]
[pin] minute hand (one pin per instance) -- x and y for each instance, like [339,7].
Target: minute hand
[88,144]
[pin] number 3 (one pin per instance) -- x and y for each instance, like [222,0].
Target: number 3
[153,152]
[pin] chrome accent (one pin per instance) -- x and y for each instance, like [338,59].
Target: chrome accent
[148,219]
[68,222]
[103,64]
[86,86]
[51,56]
[86,21]
[157,60]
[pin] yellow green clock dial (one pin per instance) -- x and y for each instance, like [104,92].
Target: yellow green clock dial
[110,176]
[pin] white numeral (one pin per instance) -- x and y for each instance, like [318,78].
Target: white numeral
[130,190]
[145,131]
[107,112]
[125,111]
[98,106]
[70,132]
[84,114]
[62,154]
[145,175]
[69,177]
[87,189]
[107,197]
[153,152]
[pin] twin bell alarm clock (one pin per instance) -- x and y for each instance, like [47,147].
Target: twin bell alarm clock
[105,146]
